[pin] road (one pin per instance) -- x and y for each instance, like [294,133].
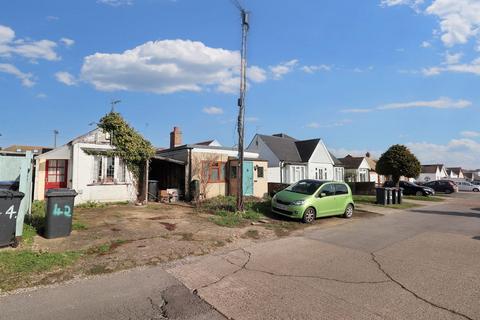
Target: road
[418,264]
[422,264]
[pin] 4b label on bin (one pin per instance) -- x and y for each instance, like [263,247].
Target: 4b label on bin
[10,212]
[67,211]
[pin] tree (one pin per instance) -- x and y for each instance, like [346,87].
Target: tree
[201,165]
[130,146]
[398,161]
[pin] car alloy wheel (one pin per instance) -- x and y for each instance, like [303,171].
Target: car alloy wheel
[309,215]
[476,190]
[348,212]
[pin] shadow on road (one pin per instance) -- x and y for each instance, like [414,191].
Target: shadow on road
[449,213]
[476,238]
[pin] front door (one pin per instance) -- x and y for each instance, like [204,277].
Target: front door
[56,174]
[247,178]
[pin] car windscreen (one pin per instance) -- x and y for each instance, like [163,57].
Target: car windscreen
[305,187]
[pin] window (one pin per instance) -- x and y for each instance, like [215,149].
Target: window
[329,190]
[341,189]
[305,187]
[108,170]
[260,172]
[214,171]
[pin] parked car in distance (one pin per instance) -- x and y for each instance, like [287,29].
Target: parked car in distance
[412,189]
[467,186]
[446,186]
[310,199]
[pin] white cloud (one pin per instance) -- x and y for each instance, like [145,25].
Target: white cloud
[425,44]
[252,119]
[441,103]
[279,70]
[390,3]
[26,78]
[470,134]
[316,68]
[41,96]
[116,3]
[42,49]
[67,42]
[212,110]
[167,66]
[52,18]
[256,74]
[453,58]
[457,152]
[66,78]
[472,67]
[459,19]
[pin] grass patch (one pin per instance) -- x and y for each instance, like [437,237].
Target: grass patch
[364,199]
[404,205]
[29,233]
[77,225]
[283,229]
[231,220]
[91,205]
[27,261]
[98,269]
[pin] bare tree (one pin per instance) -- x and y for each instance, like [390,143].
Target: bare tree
[202,167]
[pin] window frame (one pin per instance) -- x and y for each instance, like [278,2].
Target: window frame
[210,167]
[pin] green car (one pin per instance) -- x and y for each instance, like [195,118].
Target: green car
[309,199]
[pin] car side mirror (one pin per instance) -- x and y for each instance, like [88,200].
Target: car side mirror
[322,195]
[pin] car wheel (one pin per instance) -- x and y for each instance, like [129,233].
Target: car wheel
[476,190]
[348,212]
[419,193]
[309,215]
[448,191]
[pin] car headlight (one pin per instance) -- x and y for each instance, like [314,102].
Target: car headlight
[298,202]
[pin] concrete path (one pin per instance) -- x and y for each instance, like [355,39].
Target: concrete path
[147,293]
[423,264]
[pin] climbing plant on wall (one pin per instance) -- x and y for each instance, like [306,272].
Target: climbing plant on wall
[129,145]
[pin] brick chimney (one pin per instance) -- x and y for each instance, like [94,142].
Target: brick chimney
[175,137]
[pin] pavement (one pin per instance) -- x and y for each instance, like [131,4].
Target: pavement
[418,264]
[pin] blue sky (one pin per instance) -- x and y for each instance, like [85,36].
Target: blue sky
[362,75]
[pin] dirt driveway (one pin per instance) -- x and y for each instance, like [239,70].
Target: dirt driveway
[118,237]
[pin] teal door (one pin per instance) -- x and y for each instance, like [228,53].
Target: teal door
[248,178]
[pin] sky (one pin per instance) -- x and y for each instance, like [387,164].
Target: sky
[361,75]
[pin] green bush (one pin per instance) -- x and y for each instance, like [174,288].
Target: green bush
[91,205]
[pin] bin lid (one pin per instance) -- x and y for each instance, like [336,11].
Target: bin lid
[10,194]
[64,192]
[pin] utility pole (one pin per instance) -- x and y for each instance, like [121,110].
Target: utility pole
[113,103]
[55,134]
[241,105]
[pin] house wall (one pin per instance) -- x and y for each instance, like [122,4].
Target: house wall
[60,153]
[211,189]
[320,165]
[258,146]
[83,178]
[260,184]
[274,174]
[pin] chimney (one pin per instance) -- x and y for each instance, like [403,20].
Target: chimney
[175,137]
[368,155]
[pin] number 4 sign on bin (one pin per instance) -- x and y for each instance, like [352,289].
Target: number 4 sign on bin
[10,212]
[67,211]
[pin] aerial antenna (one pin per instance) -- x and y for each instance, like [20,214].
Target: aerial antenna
[113,103]
[55,134]
[241,104]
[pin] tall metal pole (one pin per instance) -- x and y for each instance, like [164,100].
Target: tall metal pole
[55,133]
[241,111]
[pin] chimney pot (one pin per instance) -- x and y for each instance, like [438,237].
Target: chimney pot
[175,137]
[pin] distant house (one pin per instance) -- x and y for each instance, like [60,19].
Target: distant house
[472,175]
[21,149]
[431,172]
[208,163]
[357,169]
[96,177]
[374,176]
[455,173]
[291,160]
